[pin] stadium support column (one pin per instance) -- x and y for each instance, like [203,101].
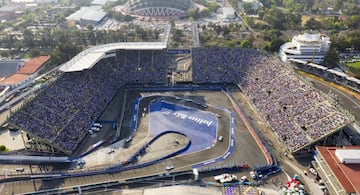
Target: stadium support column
[22,137]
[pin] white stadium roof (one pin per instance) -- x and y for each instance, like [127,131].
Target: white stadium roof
[93,13]
[89,57]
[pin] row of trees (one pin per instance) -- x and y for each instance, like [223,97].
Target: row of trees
[334,23]
[312,6]
[71,41]
[214,35]
[196,13]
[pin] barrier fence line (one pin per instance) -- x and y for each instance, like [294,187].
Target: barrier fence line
[251,130]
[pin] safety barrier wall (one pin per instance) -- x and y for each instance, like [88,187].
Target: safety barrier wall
[135,114]
[121,168]
[177,88]
[143,148]
[88,151]
[19,159]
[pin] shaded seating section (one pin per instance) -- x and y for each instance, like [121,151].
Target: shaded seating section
[61,114]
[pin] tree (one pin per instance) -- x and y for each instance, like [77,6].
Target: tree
[177,35]
[90,27]
[331,58]
[313,24]
[192,12]
[308,4]
[275,45]
[245,44]
[205,13]
[261,13]
[64,52]
[35,52]
[213,6]
[2,148]
[275,18]
[191,19]
[248,8]
[354,22]
[28,38]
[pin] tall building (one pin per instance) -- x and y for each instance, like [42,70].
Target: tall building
[306,47]
[339,168]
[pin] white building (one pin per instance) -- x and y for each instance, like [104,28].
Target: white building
[87,15]
[306,47]
[228,13]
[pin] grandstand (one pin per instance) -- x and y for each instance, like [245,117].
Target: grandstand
[61,114]
[157,7]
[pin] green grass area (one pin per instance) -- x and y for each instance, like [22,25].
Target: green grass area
[27,55]
[354,67]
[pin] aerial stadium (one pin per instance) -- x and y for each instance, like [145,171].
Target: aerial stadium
[85,93]
[148,118]
[157,7]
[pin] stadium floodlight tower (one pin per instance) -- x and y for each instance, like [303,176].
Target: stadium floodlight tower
[158,7]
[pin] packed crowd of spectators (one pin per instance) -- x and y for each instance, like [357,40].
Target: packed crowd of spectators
[62,113]
[219,65]
[238,190]
[297,113]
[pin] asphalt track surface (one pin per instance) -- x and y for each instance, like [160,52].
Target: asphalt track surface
[246,150]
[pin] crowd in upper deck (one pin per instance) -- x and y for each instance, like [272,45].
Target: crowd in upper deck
[62,113]
[296,112]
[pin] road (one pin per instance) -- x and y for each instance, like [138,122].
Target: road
[309,182]
[348,101]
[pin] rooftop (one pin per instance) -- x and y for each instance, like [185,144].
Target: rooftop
[94,13]
[33,65]
[89,57]
[9,67]
[9,8]
[306,37]
[100,2]
[351,155]
[14,79]
[347,174]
